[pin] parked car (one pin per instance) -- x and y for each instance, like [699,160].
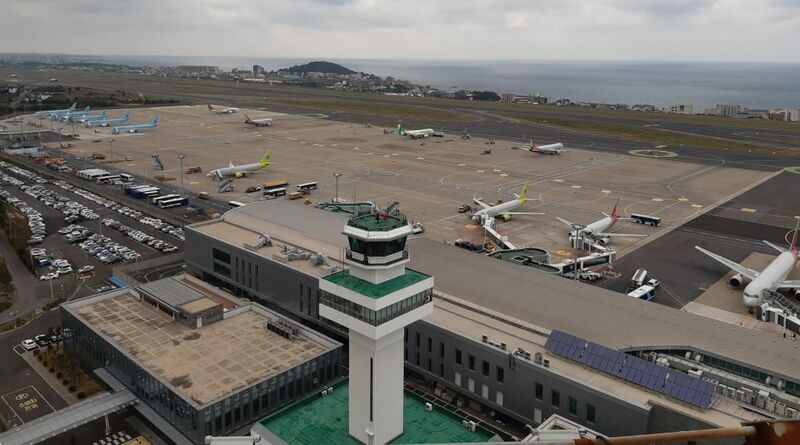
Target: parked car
[49,276]
[29,344]
[42,340]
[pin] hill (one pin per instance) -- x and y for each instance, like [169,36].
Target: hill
[318,67]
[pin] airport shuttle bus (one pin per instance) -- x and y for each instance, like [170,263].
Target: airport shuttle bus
[157,199]
[645,219]
[306,187]
[234,204]
[174,202]
[274,193]
[92,174]
[282,184]
[126,177]
[645,293]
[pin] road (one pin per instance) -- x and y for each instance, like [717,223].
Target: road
[25,283]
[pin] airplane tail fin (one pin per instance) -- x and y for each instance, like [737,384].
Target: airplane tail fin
[533,146]
[524,195]
[614,216]
[210,108]
[87,109]
[155,120]
[74,106]
[246,118]
[793,247]
[265,159]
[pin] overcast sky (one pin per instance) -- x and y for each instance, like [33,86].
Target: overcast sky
[733,30]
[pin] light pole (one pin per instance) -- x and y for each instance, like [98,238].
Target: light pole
[110,149]
[337,175]
[181,159]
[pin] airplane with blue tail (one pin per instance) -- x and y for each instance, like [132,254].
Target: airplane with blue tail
[56,112]
[92,117]
[135,128]
[105,122]
[73,115]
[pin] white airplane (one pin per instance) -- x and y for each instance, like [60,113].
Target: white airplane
[502,210]
[549,149]
[598,230]
[414,134]
[769,280]
[239,171]
[263,122]
[228,110]
[57,112]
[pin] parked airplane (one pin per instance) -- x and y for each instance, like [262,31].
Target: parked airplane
[549,149]
[56,112]
[502,210]
[239,171]
[135,128]
[70,115]
[229,110]
[769,280]
[598,230]
[263,122]
[414,134]
[92,117]
[105,122]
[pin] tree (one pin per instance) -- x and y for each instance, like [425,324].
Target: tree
[5,275]
[485,95]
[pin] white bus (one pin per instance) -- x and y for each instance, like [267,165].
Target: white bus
[92,174]
[645,293]
[174,202]
[306,187]
[274,193]
[234,204]
[108,179]
[126,177]
[156,199]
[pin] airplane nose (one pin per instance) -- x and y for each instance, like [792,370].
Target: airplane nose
[751,300]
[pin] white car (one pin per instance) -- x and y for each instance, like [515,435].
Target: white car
[49,276]
[29,344]
[86,269]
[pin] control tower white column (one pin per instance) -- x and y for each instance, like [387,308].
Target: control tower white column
[375,299]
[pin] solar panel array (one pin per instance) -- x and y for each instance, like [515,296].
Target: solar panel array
[664,380]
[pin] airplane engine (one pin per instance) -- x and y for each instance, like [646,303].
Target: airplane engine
[603,241]
[239,175]
[505,216]
[736,280]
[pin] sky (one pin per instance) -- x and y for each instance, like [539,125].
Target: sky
[687,30]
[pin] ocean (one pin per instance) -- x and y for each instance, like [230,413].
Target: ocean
[701,84]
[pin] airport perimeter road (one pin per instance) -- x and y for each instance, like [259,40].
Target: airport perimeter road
[25,284]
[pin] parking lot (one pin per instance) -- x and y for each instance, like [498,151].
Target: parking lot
[77,234]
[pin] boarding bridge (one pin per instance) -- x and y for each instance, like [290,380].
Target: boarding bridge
[157,163]
[501,241]
[226,186]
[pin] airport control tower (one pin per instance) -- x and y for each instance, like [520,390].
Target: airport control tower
[375,299]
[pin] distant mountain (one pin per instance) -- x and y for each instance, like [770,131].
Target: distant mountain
[318,67]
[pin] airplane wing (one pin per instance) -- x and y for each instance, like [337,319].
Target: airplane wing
[523,213]
[481,203]
[775,246]
[789,284]
[633,235]
[734,266]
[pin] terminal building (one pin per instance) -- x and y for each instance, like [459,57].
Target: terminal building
[518,343]
[205,362]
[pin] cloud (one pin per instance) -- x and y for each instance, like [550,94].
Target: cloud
[412,29]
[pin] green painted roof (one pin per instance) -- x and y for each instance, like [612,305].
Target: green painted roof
[319,420]
[377,222]
[371,290]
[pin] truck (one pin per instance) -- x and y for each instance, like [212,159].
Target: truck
[202,195]
[645,293]
[296,195]
[191,170]
[98,156]
[641,278]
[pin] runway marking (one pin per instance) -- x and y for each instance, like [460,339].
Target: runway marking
[462,165]
[420,158]
[130,165]
[748,210]
[370,153]
[334,145]
[496,170]
[386,156]
[394,154]
[697,206]
[303,142]
[558,180]
[682,199]
[472,226]
[480,171]
[658,200]
[605,191]
[194,182]
[356,148]
[503,174]
[576,186]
